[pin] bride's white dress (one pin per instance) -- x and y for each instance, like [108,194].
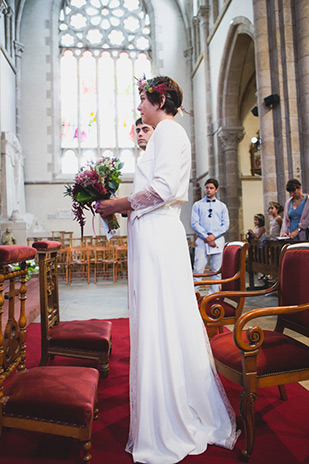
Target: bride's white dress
[178,405]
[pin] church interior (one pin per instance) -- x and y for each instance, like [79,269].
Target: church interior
[69,95]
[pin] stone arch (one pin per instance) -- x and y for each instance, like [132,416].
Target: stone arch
[239,37]
[239,44]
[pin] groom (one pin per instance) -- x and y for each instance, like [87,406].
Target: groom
[143,133]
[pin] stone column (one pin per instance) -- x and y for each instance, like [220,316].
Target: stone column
[229,138]
[19,48]
[195,186]
[9,30]
[281,48]
[204,12]
[264,88]
[302,33]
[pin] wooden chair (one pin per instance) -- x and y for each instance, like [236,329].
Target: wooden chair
[78,264]
[100,240]
[104,263]
[86,339]
[121,261]
[118,240]
[77,242]
[54,400]
[256,358]
[62,236]
[88,241]
[62,264]
[233,277]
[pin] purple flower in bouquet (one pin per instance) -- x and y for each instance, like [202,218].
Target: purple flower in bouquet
[96,181]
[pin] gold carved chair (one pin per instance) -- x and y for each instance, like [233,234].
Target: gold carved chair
[233,277]
[53,400]
[86,339]
[256,358]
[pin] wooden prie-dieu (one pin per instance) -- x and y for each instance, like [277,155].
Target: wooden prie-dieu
[50,399]
[85,339]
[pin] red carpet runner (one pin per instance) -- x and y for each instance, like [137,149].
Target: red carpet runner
[282,428]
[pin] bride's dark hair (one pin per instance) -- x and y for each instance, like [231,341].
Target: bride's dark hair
[172,92]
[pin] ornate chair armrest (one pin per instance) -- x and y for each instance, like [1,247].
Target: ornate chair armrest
[206,274]
[217,281]
[238,293]
[255,334]
[216,313]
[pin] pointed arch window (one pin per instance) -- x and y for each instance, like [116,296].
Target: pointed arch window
[103,44]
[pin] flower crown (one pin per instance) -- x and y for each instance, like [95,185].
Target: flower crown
[147,86]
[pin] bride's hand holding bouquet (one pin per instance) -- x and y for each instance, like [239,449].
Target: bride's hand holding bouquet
[95,182]
[107,208]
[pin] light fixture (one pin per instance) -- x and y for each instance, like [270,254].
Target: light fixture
[256,141]
[271,100]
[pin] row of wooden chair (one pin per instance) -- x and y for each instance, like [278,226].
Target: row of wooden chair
[80,263]
[249,356]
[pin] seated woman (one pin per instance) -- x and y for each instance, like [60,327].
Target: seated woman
[296,212]
[275,223]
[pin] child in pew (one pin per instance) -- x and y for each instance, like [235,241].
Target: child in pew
[275,223]
[259,234]
[259,230]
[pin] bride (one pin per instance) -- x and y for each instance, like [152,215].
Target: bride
[178,405]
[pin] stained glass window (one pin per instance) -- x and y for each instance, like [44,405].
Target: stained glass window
[104,45]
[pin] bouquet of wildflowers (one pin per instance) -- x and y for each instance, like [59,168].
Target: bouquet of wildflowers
[96,181]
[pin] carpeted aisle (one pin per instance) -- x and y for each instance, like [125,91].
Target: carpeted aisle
[282,428]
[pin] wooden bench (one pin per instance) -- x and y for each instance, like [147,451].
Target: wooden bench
[264,257]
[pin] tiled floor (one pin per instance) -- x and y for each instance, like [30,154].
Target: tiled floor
[105,300]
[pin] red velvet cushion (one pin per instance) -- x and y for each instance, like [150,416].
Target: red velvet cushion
[278,353]
[46,245]
[56,394]
[230,266]
[92,335]
[294,288]
[229,310]
[15,253]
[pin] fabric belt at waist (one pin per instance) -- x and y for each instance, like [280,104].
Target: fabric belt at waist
[173,210]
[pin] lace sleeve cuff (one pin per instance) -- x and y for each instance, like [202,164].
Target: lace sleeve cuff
[145,199]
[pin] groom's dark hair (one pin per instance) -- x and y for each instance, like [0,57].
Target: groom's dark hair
[212,181]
